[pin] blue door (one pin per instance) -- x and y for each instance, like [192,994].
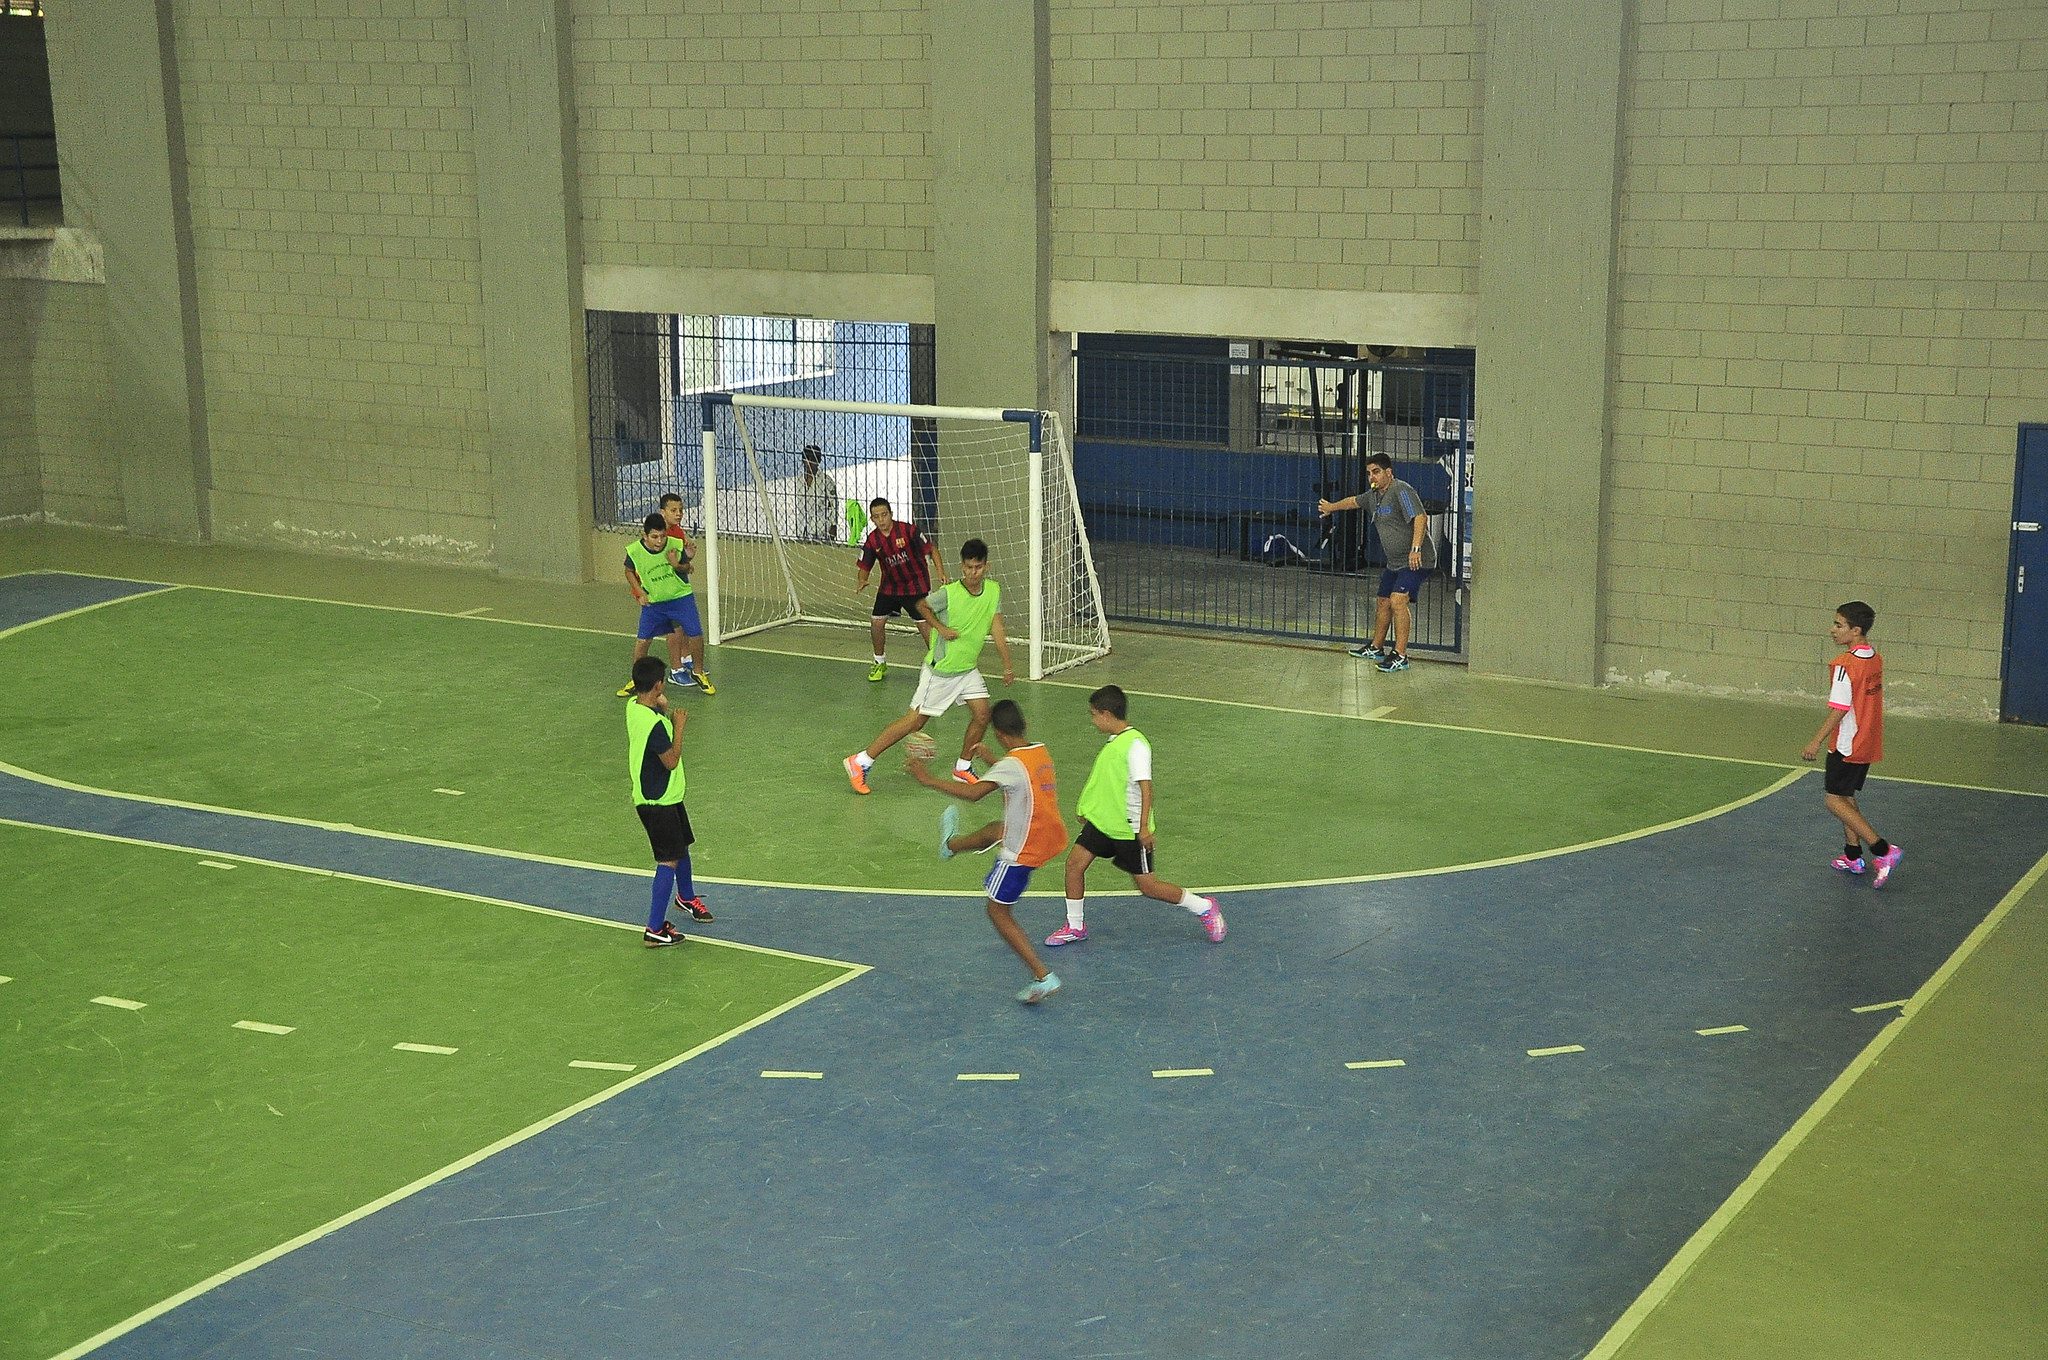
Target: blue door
[2026,602]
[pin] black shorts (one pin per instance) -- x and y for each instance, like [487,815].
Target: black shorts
[1129,856]
[668,830]
[906,605]
[1844,777]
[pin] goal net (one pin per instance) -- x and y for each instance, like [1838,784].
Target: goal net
[786,485]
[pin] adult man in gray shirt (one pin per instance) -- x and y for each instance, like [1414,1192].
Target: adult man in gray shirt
[1403,525]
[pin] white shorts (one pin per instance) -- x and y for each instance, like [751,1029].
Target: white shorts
[936,693]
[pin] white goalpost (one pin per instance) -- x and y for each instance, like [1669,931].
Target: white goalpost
[782,527]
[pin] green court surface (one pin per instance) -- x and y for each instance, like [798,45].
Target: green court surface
[506,736]
[148,1149]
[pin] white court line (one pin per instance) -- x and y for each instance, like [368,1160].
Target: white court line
[262,1028]
[603,1066]
[472,613]
[1380,712]
[1681,1265]
[315,872]
[1722,1029]
[987,1076]
[214,864]
[120,1003]
[774,1075]
[1556,1052]
[6,979]
[1879,1006]
[462,1164]
[1184,1072]
[441,1049]
[452,793]
[1377,1062]
[861,661]
[1790,777]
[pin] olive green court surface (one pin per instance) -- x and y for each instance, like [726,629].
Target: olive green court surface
[327,1025]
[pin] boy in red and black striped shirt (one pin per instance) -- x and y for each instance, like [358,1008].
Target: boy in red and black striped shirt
[903,550]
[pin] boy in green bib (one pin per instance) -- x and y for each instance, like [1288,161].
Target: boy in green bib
[658,574]
[964,615]
[1116,822]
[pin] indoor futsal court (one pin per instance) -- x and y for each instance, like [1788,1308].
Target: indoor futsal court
[331,1033]
[1481,440]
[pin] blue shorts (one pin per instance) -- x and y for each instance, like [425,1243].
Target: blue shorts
[666,616]
[1007,881]
[1401,581]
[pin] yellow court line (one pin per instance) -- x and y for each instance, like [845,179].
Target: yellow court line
[793,1076]
[1722,1029]
[1377,1062]
[1879,1006]
[1556,1052]
[433,1178]
[1680,1265]
[988,1076]
[1184,1072]
[317,872]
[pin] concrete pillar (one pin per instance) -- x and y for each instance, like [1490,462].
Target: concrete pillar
[1550,164]
[532,273]
[121,142]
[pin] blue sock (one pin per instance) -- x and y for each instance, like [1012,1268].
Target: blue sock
[664,885]
[686,887]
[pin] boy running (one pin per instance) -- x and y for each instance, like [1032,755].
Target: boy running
[1116,822]
[654,762]
[901,548]
[658,576]
[1854,736]
[1029,831]
[964,615]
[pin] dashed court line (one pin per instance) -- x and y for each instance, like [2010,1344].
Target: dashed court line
[426,1048]
[989,1076]
[604,1066]
[1184,1072]
[262,1028]
[214,864]
[793,1076]
[1879,1006]
[1557,1052]
[1722,1029]
[120,1003]
[1376,1062]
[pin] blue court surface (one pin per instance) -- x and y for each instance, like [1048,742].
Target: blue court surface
[1473,1201]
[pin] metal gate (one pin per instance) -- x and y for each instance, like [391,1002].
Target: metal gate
[1200,462]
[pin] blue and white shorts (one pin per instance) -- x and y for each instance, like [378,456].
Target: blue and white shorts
[1007,881]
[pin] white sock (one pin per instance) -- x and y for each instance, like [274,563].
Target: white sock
[964,766]
[1195,904]
[864,760]
[1074,905]
[879,658]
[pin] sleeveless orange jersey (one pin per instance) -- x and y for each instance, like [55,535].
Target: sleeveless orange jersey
[1033,831]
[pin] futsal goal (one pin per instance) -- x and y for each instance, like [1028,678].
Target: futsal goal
[784,503]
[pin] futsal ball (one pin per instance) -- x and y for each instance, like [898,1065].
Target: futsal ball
[918,746]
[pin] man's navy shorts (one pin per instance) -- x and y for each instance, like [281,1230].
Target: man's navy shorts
[1401,581]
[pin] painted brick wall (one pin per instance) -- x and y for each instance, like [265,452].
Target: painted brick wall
[1289,145]
[334,224]
[21,490]
[1833,312]
[754,134]
[74,421]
